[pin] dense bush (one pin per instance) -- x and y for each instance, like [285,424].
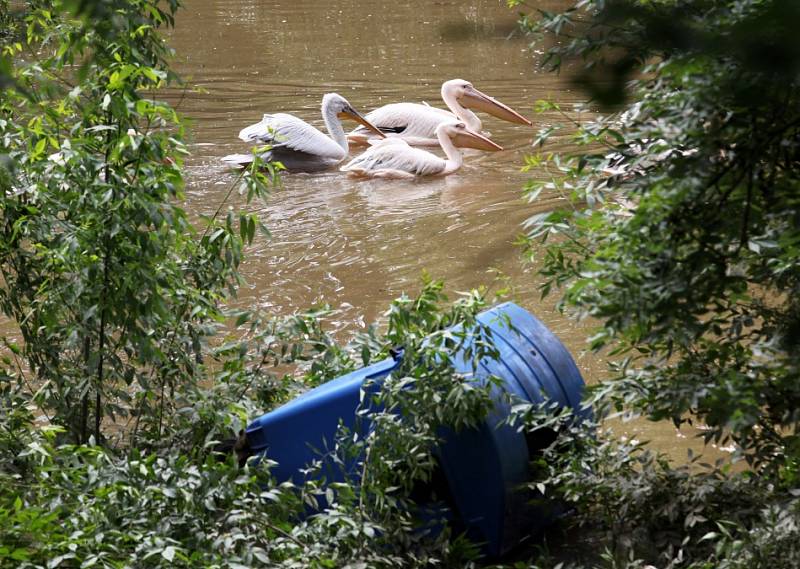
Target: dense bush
[68,505]
[113,290]
[679,234]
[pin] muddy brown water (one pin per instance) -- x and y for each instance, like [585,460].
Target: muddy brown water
[359,244]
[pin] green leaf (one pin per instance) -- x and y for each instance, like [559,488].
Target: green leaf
[168,553]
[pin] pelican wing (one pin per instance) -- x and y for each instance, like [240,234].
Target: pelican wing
[395,155]
[408,120]
[287,132]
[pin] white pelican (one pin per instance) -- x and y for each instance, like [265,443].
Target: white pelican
[417,123]
[394,158]
[298,145]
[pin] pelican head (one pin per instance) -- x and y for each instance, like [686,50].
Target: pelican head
[466,138]
[338,105]
[466,94]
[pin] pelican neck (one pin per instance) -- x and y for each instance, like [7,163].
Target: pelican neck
[334,126]
[454,156]
[464,114]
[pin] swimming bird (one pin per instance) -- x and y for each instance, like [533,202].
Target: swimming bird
[298,145]
[395,158]
[417,123]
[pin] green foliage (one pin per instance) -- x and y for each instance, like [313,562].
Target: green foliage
[67,505]
[679,234]
[84,507]
[643,510]
[114,291]
[682,232]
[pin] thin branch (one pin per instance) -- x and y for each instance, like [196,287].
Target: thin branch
[747,208]
[283,533]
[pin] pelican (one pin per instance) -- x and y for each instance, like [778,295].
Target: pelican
[395,158]
[298,145]
[417,123]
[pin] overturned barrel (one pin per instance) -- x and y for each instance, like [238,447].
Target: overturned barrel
[482,468]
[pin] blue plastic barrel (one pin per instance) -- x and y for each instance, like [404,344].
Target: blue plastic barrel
[484,467]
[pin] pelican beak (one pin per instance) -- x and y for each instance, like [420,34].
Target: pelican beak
[354,115]
[477,101]
[471,139]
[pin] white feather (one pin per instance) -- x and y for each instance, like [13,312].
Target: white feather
[238,160]
[395,155]
[282,130]
[416,121]
[395,158]
[298,145]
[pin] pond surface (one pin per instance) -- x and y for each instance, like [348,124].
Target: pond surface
[359,244]
[362,243]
